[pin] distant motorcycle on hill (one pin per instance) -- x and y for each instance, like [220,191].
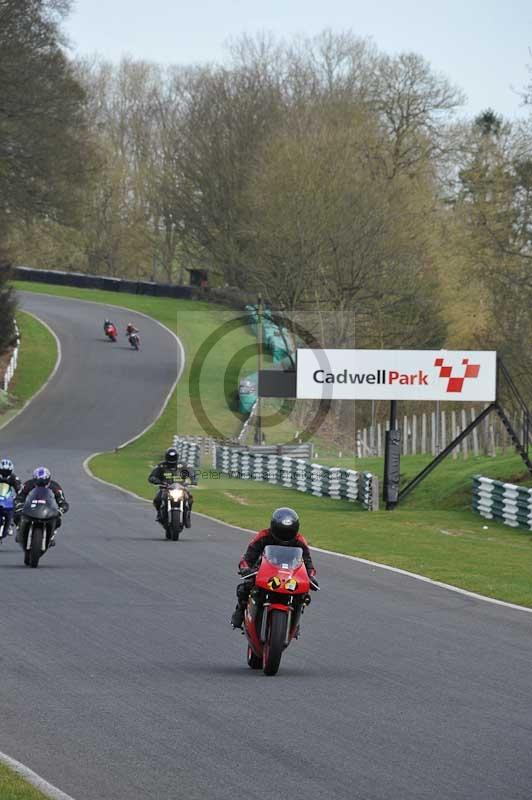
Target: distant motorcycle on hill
[111,331]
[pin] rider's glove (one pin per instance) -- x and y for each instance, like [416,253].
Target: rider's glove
[245,571]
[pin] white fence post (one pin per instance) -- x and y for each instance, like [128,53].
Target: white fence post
[13,361]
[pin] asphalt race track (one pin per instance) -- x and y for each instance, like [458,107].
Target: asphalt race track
[120,677]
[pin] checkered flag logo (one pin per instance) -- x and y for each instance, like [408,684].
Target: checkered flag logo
[455,384]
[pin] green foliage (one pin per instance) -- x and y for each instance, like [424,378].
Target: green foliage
[7,310]
[41,115]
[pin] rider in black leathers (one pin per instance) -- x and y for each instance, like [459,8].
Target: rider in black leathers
[170,471]
[41,477]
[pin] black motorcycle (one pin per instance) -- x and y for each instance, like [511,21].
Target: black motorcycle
[40,516]
[175,510]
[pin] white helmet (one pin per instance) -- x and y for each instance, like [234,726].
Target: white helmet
[6,468]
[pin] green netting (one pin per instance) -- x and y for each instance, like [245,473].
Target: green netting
[279,349]
[247,401]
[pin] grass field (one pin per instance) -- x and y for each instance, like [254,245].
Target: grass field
[434,533]
[13,787]
[37,357]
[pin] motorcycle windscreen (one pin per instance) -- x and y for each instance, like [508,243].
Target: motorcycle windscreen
[284,557]
[40,504]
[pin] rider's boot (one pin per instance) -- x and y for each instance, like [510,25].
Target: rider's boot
[237,618]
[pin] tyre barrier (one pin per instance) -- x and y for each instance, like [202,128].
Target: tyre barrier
[506,502]
[188,450]
[296,473]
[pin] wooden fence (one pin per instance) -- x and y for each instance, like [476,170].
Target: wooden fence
[432,432]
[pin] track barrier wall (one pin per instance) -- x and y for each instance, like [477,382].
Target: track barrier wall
[506,502]
[296,473]
[58,278]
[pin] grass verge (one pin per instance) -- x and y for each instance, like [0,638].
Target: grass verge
[434,533]
[13,787]
[37,357]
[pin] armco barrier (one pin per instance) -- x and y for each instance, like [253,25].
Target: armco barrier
[506,502]
[83,281]
[296,473]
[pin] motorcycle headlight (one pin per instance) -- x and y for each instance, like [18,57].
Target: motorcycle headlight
[176,494]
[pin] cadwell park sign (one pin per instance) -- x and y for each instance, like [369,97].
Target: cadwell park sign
[469,376]
[393,375]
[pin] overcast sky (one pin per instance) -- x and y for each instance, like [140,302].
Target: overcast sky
[483,46]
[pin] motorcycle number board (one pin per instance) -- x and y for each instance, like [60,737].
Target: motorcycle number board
[458,375]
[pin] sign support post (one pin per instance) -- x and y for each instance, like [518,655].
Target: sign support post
[392,460]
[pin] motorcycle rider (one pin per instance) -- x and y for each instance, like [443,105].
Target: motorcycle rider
[7,475]
[284,531]
[169,471]
[41,477]
[130,329]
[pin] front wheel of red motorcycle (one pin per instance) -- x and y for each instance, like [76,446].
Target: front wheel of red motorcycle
[274,645]
[254,662]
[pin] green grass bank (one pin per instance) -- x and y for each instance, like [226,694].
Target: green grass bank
[37,358]
[13,787]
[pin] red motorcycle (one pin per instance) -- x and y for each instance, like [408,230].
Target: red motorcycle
[276,603]
[111,332]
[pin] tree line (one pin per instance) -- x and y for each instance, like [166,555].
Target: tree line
[339,181]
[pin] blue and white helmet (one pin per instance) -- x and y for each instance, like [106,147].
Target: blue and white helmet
[6,468]
[42,476]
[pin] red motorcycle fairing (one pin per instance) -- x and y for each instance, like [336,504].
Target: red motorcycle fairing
[285,578]
[281,585]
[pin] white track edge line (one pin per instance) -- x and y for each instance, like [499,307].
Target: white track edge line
[29,775]
[53,372]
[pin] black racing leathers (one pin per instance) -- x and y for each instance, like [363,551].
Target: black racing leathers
[168,473]
[165,473]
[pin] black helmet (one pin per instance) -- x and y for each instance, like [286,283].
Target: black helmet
[171,457]
[284,525]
